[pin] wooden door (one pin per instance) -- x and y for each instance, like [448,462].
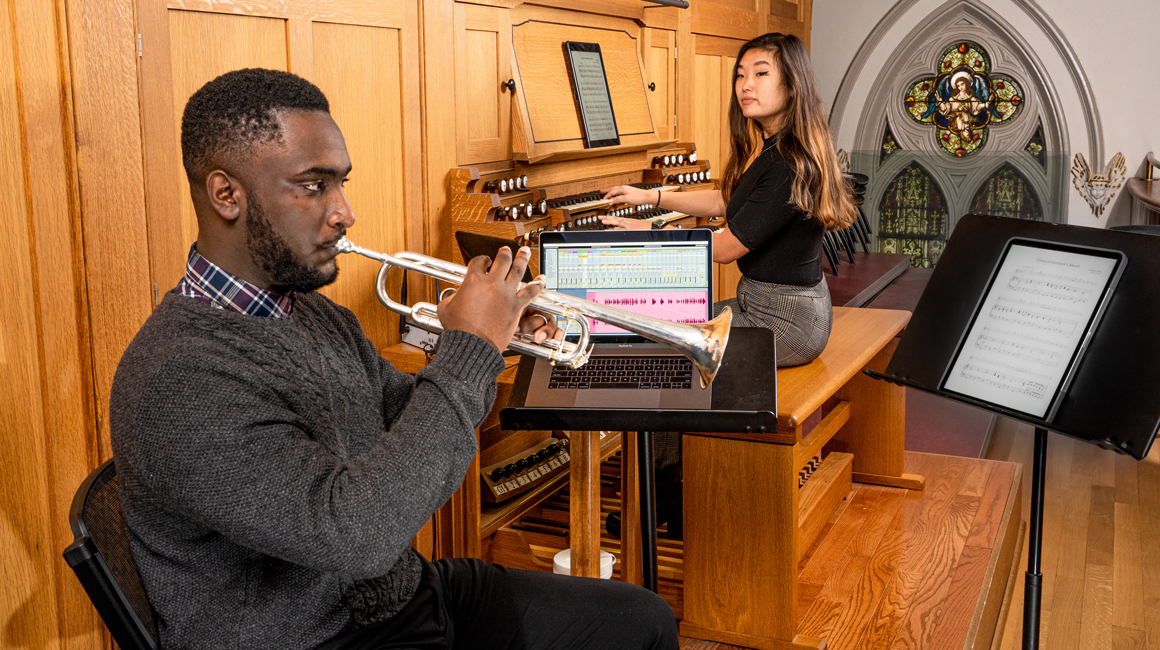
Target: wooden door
[363,54]
[483,61]
[658,52]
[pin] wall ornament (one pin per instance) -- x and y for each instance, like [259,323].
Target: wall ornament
[1098,189]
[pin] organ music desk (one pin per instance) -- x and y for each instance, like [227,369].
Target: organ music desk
[746,520]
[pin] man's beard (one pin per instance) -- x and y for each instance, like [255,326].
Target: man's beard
[270,252]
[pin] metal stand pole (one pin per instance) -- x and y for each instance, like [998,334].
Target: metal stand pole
[1034,583]
[648,511]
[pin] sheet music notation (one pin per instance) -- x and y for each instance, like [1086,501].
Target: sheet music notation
[1029,326]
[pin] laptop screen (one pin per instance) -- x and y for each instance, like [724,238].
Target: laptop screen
[665,274]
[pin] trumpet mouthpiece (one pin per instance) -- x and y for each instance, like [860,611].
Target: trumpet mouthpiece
[344,246]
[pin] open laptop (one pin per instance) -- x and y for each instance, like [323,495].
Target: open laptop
[666,274]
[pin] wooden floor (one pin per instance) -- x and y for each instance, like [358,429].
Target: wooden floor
[904,569]
[1101,559]
[1101,544]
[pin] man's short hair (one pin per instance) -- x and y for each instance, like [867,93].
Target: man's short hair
[228,116]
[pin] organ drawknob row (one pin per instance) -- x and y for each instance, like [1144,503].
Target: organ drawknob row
[505,185]
[673,160]
[690,177]
[507,471]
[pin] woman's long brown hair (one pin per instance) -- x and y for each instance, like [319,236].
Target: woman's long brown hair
[803,138]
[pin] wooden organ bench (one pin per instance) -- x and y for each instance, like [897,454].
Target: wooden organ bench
[747,522]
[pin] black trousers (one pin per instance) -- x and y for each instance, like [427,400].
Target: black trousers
[464,603]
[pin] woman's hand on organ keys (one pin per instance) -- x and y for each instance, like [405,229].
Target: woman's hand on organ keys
[631,195]
[625,223]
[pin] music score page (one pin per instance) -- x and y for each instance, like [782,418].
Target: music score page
[1029,326]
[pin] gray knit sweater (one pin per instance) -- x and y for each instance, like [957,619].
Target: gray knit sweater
[273,471]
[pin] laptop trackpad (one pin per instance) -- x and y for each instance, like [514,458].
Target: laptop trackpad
[624,399]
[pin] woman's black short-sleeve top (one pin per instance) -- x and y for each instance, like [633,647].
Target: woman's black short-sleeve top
[785,244]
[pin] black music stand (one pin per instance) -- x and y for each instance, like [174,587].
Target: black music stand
[744,401]
[1110,401]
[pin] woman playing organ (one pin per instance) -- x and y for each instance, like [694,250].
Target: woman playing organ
[779,194]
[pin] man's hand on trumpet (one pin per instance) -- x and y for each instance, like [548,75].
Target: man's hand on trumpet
[490,304]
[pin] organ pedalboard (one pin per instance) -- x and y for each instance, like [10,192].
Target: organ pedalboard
[529,468]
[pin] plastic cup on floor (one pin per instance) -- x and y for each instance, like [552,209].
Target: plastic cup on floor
[562,563]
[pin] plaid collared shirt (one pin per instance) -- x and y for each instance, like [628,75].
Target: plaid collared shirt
[207,282]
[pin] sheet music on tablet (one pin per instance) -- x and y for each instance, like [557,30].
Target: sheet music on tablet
[1033,325]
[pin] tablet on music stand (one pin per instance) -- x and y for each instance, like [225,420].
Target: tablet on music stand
[590,88]
[1032,325]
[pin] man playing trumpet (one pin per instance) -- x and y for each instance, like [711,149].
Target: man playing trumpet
[273,467]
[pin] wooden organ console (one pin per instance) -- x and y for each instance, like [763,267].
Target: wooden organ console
[519,201]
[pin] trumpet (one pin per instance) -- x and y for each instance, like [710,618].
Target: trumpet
[703,344]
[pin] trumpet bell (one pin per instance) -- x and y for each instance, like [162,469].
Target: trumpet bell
[708,354]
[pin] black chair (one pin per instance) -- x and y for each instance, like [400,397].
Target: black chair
[101,558]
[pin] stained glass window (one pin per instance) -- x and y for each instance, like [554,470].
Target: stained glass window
[1007,194]
[1035,146]
[912,217]
[963,98]
[1008,98]
[889,145]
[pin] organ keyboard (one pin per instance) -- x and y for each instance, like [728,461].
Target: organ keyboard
[517,201]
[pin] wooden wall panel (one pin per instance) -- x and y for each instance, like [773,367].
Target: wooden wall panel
[203,46]
[709,113]
[791,17]
[362,54]
[29,595]
[483,54]
[359,70]
[660,64]
[712,79]
[110,175]
[47,420]
[439,122]
[740,19]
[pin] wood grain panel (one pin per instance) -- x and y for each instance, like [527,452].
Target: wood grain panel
[1128,601]
[660,69]
[482,108]
[202,47]
[103,61]
[858,577]
[358,69]
[584,490]
[708,106]
[29,597]
[547,91]
[70,432]
[686,77]
[751,6]
[789,17]
[359,12]
[783,9]
[440,142]
[738,19]
[728,546]
[728,275]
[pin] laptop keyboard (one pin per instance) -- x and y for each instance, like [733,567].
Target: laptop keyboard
[625,372]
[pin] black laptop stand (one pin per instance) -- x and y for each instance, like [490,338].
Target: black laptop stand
[744,401]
